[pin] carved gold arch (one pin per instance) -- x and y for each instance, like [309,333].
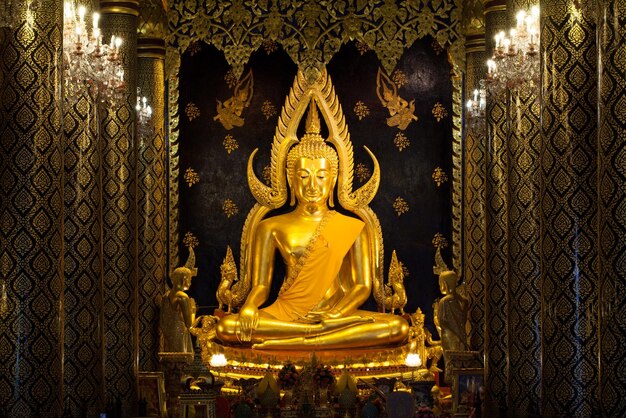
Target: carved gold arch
[311,32]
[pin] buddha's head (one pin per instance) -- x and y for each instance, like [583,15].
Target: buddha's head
[181,278]
[447,282]
[312,165]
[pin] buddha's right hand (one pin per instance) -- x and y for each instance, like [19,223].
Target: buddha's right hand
[248,321]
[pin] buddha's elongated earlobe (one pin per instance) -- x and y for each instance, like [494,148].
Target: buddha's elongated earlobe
[292,199]
[331,200]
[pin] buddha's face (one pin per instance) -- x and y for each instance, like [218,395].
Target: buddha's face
[313,180]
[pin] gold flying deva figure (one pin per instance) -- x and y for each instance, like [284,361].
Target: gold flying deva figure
[229,276]
[178,310]
[451,310]
[401,112]
[395,295]
[229,113]
[332,260]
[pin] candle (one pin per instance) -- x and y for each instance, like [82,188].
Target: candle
[81,13]
[96,19]
[475,94]
[521,15]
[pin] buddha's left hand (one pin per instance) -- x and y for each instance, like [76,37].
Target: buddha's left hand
[319,316]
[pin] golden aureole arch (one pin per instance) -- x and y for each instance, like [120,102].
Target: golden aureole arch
[333,260]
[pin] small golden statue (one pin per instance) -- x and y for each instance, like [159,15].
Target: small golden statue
[333,261]
[178,310]
[229,276]
[401,112]
[451,310]
[421,342]
[229,113]
[396,298]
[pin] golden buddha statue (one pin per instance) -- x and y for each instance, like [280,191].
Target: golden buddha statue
[178,310]
[332,260]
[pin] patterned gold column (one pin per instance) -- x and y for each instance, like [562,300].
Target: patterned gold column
[151,172]
[83,258]
[497,266]
[569,210]
[31,210]
[524,242]
[474,181]
[119,160]
[611,211]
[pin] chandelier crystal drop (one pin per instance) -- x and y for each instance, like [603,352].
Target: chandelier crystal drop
[516,54]
[90,65]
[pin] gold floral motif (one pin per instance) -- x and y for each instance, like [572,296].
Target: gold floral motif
[230,208]
[231,79]
[190,240]
[194,48]
[439,241]
[192,111]
[400,206]
[436,47]
[267,174]
[230,143]
[401,112]
[405,270]
[191,177]
[268,109]
[312,32]
[229,113]
[269,46]
[401,141]
[361,109]
[362,47]
[362,172]
[439,176]
[439,112]
[400,78]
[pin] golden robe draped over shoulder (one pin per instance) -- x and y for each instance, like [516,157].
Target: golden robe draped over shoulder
[320,268]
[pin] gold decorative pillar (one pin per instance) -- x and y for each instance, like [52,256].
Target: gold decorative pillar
[569,196]
[151,172]
[524,241]
[474,181]
[497,229]
[83,360]
[119,165]
[31,211]
[611,214]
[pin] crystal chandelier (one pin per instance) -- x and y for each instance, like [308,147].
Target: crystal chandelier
[90,65]
[516,56]
[144,115]
[475,108]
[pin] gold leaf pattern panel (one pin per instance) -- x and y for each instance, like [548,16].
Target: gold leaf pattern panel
[31,203]
[568,212]
[524,178]
[151,202]
[312,32]
[120,220]
[83,372]
[496,320]
[611,213]
[474,207]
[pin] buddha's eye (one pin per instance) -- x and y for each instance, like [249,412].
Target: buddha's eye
[303,174]
[322,174]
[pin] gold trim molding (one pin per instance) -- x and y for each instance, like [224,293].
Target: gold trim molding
[495,6]
[123,7]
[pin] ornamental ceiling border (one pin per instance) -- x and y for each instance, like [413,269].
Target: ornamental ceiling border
[311,32]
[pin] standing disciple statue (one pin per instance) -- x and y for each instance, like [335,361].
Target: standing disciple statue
[178,310]
[331,259]
[451,310]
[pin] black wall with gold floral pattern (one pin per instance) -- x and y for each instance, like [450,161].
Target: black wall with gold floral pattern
[413,202]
